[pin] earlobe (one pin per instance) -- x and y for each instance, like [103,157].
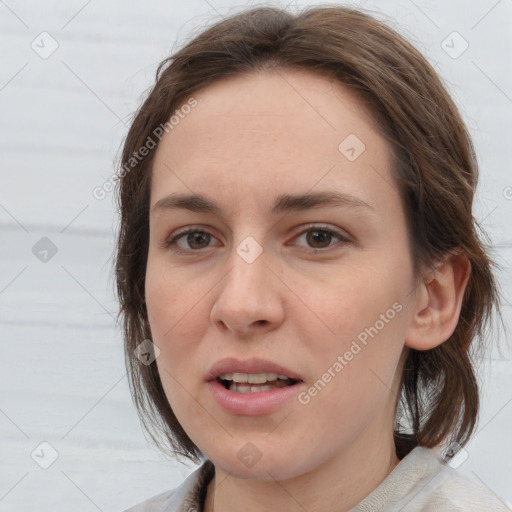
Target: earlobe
[438,301]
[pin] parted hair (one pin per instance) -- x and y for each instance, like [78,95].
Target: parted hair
[435,172]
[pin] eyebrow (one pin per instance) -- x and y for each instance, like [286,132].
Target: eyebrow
[282,203]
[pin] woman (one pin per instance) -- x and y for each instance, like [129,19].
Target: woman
[299,272]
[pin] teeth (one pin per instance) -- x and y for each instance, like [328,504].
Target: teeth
[246,388]
[254,382]
[252,378]
[259,378]
[239,388]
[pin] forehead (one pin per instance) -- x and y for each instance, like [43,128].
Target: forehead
[274,131]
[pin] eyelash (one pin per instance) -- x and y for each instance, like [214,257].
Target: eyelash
[172,242]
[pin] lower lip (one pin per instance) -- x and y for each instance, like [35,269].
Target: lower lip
[252,404]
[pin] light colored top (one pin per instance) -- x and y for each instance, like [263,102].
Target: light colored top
[419,483]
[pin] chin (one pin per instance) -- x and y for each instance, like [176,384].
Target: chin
[248,463]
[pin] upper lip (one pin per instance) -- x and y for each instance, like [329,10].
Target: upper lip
[253,365]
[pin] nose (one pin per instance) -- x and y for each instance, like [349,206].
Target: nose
[248,300]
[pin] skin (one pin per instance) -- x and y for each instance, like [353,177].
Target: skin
[302,302]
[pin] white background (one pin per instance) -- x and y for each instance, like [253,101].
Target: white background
[62,377]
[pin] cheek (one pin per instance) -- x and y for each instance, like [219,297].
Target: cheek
[172,311]
[171,301]
[178,315]
[351,300]
[358,331]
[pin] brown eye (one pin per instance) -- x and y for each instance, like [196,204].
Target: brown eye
[198,239]
[190,241]
[319,238]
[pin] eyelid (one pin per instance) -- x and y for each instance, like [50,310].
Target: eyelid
[324,227]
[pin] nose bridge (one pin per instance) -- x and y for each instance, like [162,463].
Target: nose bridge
[247,280]
[247,295]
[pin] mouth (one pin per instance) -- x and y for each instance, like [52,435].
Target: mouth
[252,387]
[251,375]
[254,382]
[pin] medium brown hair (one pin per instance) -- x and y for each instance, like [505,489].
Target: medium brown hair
[436,174]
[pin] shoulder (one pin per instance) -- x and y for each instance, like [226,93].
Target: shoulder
[157,503]
[453,491]
[422,483]
[190,492]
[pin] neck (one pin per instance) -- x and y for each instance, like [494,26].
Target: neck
[337,485]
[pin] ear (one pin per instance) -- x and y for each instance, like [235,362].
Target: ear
[437,303]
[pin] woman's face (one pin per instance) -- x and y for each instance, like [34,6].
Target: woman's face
[298,266]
